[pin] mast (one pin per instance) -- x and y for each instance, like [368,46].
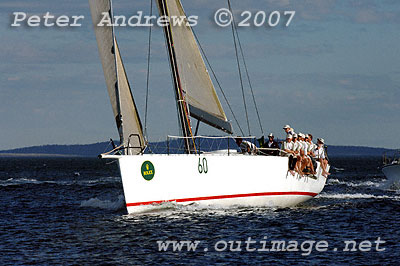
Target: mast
[183,112]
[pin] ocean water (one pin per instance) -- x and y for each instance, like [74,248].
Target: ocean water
[71,211]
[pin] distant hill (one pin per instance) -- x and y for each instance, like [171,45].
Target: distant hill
[93,150]
[85,150]
[355,151]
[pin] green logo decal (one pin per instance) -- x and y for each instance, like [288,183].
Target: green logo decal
[148,170]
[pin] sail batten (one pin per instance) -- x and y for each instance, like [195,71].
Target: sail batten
[121,98]
[199,92]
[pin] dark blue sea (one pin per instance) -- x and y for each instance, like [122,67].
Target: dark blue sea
[70,211]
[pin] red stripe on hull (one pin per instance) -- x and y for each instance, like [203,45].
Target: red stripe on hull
[225,197]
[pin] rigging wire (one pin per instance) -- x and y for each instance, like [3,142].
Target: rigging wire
[238,65]
[218,83]
[148,74]
[248,79]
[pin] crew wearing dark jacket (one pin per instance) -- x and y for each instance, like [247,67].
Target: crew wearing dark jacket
[271,144]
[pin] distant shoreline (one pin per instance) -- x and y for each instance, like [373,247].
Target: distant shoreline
[38,155]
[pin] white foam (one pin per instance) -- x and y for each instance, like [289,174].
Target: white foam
[346,196]
[22,180]
[355,196]
[338,169]
[105,204]
[174,210]
[18,181]
[164,208]
[364,184]
[333,181]
[354,184]
[102,180]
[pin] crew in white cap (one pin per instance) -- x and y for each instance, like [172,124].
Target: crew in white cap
[304,160]
[287,145]
[310,150]
[300,141]
[321,156]
[288,130]
[311,146]
[296,145]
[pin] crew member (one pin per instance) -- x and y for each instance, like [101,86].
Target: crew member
[271,144]
[320,155]
[288,130]
[246,147]
[287,147]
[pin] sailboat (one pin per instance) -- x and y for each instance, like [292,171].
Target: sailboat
[221,178]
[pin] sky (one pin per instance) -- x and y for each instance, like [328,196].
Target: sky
[333,72]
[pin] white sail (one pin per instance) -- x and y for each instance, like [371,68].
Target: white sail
[132,127]
[122,102]
[193,76]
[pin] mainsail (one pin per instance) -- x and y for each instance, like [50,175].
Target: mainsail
[195,82]
[122,102]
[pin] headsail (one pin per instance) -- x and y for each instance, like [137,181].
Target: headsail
[195,81]
[122,102]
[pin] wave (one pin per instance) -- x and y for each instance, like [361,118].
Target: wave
[18,181]
[355,196]
[99,181]
[354,184]
[93,182]
[105,204]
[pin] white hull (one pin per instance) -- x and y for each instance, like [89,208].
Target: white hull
[217,179]
[392,173]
